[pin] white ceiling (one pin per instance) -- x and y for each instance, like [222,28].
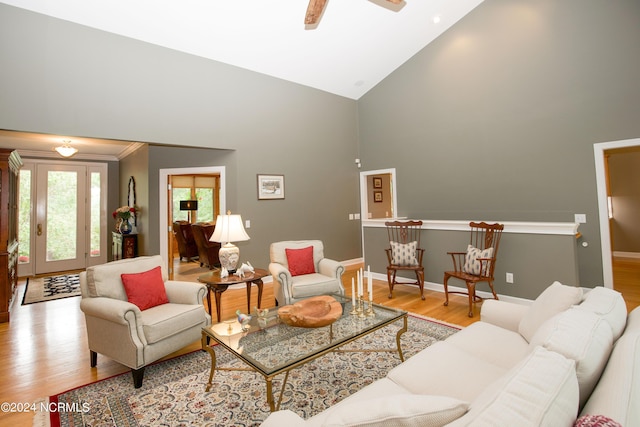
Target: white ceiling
[356,44]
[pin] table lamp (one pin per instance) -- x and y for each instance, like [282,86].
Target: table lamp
[229,229]
[189,205]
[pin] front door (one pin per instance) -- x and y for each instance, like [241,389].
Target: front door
[69,217]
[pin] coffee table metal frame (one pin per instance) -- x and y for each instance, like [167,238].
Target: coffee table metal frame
[232,332]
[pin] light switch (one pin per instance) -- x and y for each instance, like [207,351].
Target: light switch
[247,224]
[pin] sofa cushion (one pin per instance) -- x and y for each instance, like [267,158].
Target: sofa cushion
[553,300]
[618,391]
[446,370]
[404,254]
[300,261]
[471,263]
[540,391]
[608,304]
[104,280]
[145,289]
[482,339]
[581,336]
[165,320]
[399,410]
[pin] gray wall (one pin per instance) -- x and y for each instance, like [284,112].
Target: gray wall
[496,119]
[63,78]
[535,260]
[136,165]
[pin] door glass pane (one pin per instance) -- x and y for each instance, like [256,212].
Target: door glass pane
[62,205]
[24,217]
[180,194]
[205,204]
[94,220]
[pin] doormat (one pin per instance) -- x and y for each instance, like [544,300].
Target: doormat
[51,288]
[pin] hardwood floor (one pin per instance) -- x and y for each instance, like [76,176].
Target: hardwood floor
[43,349]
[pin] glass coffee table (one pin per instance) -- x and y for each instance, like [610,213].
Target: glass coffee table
[270,347]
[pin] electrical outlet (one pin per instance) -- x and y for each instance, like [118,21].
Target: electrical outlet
[581,218]
[509,278]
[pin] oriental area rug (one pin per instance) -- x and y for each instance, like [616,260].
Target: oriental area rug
[173,391]
[51,288]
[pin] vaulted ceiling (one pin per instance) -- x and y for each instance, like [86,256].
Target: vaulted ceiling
[354,45]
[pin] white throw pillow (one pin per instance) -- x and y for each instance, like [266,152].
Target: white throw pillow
[553,300]
[471,263]
[582,336]
[404,410]
[404,254]
[610,305]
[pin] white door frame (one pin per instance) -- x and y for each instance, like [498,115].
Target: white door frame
[163,204]
[603,210]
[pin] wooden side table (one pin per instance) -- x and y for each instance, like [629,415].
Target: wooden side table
[218,285]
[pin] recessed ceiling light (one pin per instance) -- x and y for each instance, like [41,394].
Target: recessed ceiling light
[436,19]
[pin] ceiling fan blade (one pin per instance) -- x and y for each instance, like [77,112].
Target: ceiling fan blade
[314,10]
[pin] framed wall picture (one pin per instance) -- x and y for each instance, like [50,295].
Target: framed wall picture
[270,187]
[377,182]
[377,196]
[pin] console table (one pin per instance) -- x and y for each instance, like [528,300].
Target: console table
[124,245]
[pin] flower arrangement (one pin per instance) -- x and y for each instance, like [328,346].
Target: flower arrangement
[124,212]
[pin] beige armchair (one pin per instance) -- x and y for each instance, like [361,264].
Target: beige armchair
[122,331]
[312,274]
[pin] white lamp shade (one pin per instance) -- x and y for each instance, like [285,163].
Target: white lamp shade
[229,229]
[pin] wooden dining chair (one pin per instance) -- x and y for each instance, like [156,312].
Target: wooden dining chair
[405,252]
[478,263]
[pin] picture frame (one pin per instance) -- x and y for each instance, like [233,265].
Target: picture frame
[270,187]
[377,196]
[377,182]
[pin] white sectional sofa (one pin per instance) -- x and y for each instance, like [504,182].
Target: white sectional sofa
[571,358]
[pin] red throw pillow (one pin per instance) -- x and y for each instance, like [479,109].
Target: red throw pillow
[145,289]
[300,261]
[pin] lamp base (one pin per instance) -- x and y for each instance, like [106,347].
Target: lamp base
[229,255]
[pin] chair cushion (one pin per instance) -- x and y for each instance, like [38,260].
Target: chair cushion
[471,263]
[163,321]
[553,300]
[399,410]
[404,254]
[308,285]
[145,289]
[300,261]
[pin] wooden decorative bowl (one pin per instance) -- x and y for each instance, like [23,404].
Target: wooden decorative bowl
[312,312]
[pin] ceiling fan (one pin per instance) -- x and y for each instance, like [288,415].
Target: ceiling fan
[315,8]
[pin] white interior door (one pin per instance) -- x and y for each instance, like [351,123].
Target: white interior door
[60,218]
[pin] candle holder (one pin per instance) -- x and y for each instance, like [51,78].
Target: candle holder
[354,309]
[361,312]
[370,312]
